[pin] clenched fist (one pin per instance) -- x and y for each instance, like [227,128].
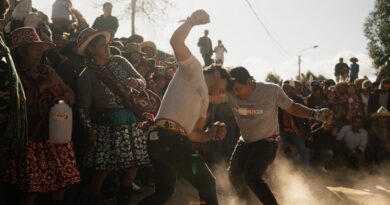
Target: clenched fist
[217,131]
[199,17]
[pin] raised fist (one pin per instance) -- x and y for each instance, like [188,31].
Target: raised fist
[199,17]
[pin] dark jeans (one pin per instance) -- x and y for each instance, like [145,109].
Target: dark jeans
[171,155]
[207,59]
[248,163]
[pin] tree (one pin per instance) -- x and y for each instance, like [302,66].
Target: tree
[149,9]
[377,31]
[273,78]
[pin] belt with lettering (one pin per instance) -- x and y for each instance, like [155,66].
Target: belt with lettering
[171,126]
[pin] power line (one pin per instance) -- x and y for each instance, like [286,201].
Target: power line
[276,43]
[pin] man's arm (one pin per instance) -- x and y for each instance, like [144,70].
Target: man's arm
[178,38]
[301,111]
[216,132]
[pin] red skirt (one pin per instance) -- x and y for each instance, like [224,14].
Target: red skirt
[43,167]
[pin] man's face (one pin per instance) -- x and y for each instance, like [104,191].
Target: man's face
[4,6]
[289,90]
[215,83]
[101,49]
[107,9]
[357,123]
[241,91]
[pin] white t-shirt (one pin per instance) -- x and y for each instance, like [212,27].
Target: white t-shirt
[186,99]
[219,53]
[353,140]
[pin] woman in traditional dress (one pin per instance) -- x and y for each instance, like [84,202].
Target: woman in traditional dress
[44,167]
[117,141]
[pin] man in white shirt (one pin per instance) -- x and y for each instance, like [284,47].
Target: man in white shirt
[181,119]
[354,138]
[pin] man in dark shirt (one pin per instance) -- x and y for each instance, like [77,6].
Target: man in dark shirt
[106,21]
[206,48]
[341,69]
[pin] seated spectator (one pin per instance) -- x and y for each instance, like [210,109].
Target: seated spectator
[354,139]
[106,21]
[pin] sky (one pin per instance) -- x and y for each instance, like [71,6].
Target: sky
[336,26]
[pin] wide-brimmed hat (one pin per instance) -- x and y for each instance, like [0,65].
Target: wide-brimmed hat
[28,35]
[367,84]
[133,48]
[152,46]
[135,38]
[382,112]
[354,59]
[86,36]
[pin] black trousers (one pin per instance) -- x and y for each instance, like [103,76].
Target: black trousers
[248,163]
[171,155]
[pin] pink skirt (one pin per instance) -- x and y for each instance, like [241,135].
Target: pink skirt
[44,167]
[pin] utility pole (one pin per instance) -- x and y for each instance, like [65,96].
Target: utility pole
[133,10]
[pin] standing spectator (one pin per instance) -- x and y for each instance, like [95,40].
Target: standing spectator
[292,131]
[379,141]
[354,69]
[114,131]
[45,167]
[341,70]
[106,21]
[354,103]
[61,16]
[316,99]
[206,48]
[13,116]
[365,95]
[219,52]
[380,97]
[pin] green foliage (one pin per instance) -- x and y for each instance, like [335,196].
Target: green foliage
[274,78]
[377,31]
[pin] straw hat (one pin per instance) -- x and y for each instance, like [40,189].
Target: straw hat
[152,46]
[28,35]
[353,59]
[133,48]
[382,112]
[86,36]
[135,38]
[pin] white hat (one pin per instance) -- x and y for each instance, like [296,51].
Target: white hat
[382,112]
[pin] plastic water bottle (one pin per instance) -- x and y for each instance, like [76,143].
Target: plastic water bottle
[60,123]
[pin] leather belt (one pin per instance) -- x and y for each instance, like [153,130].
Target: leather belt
[171,126]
